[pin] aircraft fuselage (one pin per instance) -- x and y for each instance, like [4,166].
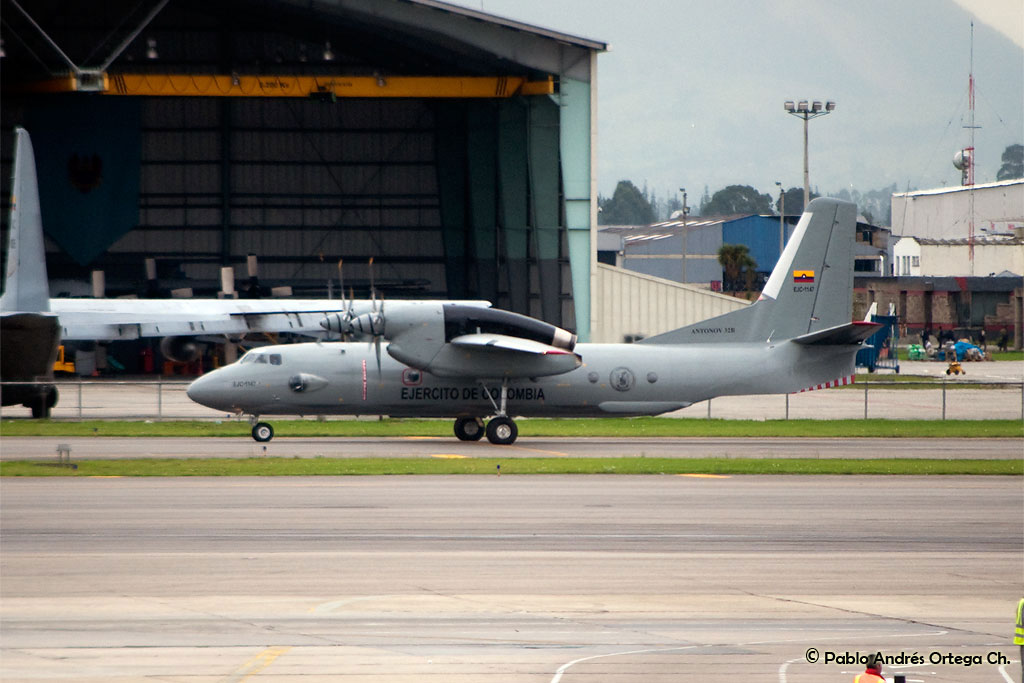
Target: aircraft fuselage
[614,379]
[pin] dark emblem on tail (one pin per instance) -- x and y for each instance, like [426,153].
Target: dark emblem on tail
[85,172]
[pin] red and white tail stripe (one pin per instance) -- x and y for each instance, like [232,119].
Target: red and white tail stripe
[841,382]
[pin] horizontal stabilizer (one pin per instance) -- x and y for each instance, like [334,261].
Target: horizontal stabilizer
[840,335]
[507,343]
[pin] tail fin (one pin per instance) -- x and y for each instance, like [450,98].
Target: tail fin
[26,288]
[810,289]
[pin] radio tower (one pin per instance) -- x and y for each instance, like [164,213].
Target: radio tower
[970,156]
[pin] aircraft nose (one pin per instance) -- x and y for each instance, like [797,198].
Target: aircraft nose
[205,390]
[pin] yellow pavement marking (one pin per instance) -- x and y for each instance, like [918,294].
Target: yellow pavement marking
[256,664]
[448,456]
[536,450]
[705,476]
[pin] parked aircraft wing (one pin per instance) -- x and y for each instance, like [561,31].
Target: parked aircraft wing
[507,343]
[851,333]
[121,319]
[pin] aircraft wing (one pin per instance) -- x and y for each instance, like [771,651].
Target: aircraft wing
[850,333]
[121,319]
[507,343]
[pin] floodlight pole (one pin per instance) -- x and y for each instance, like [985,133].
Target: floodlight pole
[807,111]
[782,217]
[686,210]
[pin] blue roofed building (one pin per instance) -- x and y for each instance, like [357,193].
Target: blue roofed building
[658,249]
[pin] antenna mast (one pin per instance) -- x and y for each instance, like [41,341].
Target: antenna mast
[970,156]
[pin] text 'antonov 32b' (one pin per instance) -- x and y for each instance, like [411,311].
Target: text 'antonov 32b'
[483,366]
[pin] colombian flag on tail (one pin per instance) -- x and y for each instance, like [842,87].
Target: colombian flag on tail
[803,276]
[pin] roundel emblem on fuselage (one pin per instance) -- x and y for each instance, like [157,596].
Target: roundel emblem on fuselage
[622,379]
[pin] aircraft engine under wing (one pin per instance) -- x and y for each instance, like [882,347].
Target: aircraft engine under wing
[485,356]
[453,340]
[502,341]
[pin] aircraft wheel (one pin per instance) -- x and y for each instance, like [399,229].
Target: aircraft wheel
[502,431]
[39,409]
[469,429]
[262,432]
[42,404]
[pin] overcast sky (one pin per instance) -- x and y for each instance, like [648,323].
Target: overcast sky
[690,92]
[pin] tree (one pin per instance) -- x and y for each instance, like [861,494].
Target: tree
[795,201]
[664,208]
[1013,163]
[874,205]
[735,260]
[628,206]
[737,199]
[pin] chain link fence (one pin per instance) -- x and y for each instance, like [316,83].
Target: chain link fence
[937,400]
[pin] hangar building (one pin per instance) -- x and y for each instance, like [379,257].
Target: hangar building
[945,213]
[454,147]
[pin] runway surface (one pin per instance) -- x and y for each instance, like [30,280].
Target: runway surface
[108,448]
[552,579]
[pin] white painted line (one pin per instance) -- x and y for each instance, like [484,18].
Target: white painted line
[565,667]
[328,607]
[782,669]
[1002,672]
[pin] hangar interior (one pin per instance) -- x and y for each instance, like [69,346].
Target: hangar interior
[453,147]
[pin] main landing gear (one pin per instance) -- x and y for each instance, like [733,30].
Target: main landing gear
[500,430]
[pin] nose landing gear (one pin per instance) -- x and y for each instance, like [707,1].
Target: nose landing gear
[261,431]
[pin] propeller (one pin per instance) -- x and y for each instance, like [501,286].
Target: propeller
[341,322]
[368,324]
[376,326]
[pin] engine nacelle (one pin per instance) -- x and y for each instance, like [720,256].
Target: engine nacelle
[179,349]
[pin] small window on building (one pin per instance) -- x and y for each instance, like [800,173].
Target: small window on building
[915,261]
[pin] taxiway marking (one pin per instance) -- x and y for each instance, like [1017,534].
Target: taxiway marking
[706,476]
[256,664]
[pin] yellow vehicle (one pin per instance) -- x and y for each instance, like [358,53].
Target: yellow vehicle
[955,368]
[62,365]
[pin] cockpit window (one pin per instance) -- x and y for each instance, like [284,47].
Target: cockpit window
[256,357]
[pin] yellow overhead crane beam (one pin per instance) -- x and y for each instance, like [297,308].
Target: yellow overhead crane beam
[327,87]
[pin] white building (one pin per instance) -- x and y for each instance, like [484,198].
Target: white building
[945,213]
[998,255]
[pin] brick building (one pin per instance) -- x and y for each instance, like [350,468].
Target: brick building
[965,305]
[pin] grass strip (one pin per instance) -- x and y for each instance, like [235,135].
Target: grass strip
[600,427]
[262,467]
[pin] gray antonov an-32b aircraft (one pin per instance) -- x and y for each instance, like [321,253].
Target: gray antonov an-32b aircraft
[452,360]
